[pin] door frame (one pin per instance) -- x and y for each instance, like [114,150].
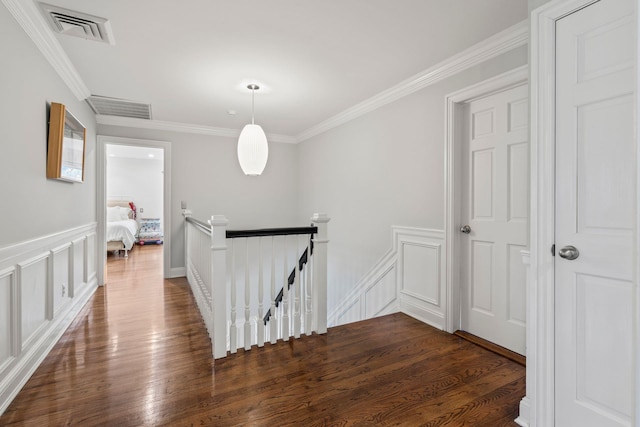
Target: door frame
[454,104]
[540,296]
[101,196]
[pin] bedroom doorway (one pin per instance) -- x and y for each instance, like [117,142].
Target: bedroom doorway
[133,205]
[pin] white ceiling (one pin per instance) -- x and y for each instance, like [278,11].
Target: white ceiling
[191,59]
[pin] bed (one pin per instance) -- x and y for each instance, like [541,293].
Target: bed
[122,228]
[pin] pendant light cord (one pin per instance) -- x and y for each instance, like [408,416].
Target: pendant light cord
[253,104]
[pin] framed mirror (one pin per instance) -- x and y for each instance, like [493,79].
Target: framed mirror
[66,145]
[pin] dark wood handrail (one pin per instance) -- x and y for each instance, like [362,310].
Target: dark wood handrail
[290,231]
[261,232]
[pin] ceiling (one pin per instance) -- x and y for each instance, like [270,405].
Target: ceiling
[192,59]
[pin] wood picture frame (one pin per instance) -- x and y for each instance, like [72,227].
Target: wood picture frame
[66,145]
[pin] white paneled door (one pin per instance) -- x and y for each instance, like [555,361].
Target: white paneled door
[495,207]
[595,206]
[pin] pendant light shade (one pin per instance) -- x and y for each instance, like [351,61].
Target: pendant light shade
[253,150]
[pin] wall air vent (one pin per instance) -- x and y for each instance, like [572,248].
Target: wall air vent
[78,24]
[119,107]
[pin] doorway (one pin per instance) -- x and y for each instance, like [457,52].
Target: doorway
[461,266]
[138,152]
[494,217]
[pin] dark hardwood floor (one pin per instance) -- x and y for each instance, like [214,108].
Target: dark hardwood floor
[138,355]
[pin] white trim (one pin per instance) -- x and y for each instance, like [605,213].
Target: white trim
[101,197]
[453,106]
[498,44]
[33,23]
[8,254]
[183,128]
[523,416]
[636,245]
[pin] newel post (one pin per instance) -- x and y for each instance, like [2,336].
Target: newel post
[320,241]
[218,289]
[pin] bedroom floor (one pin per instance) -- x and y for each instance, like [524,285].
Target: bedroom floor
[147,257]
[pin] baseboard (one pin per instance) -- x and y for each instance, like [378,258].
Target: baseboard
[30,360]
[495,348]
[177,272]
[523,419]
[422,313]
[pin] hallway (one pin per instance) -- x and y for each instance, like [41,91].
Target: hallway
[139,355]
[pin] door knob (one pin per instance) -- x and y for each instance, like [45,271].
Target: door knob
[465,229]
[569,252]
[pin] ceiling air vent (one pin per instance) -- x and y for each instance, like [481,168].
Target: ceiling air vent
[119,107]
[78,24]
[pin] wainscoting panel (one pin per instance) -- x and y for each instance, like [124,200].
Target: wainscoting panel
[90,258]
[375,295]
[408,278]
[77,281]
[421,278]
[44,283]
[7,318]
[32,284]
[61,276]
[381,294]
[351,313]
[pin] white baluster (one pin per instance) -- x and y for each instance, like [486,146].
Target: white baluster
[285,295]
[296,291]
[320,272]
[272,321]
[218,285]
[308,327]
[187,241]
[233,332]
[260,325]
[247,299]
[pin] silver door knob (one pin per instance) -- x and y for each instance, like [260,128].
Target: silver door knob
[465,229]
[569,252]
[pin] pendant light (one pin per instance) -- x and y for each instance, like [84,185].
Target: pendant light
[253,150]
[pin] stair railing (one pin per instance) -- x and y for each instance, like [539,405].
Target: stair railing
[217,259]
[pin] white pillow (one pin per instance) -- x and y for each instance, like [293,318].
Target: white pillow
[113,214]
[124,213]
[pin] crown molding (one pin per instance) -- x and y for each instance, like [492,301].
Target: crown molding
[502,42]
[28,16]
[183,128]
[32,22]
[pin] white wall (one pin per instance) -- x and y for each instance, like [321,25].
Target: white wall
[385,168]
[137,180]
[533,4]
[33,205]
[206,174]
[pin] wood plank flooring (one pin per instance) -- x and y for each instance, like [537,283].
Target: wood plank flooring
[138,355]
